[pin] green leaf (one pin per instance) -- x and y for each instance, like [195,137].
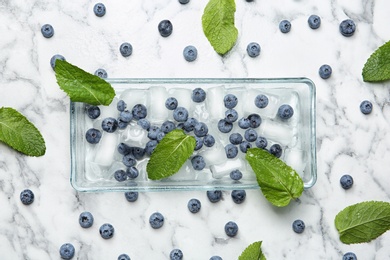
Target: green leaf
[252,252]
[363,222]
[218,25]
[278,181]
[170,154]
[377,67]
[82,86]
[19,133]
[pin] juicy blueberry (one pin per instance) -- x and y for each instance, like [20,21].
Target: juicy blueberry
[230,101]
[47,30]
[132,172]
[235,138]
[106,231]
[144,123]
[347,28]
[160,136]
[244,146]
[285,26]
[54,58]
[346,181]
[238,196]
[176,254]
[124,149]
[209,140]
[194,205]
[261,142]
[198,95]
[366,107]
[231,151]
[124,257]
[190,53]
[139,111]
[125,116]
[199,143]
[129,160]
[171,103]
[156,220]
[198,162]
[214,195]
[261,101]
[253,49]
[109,124]
[121,106]
[27,197]
[314,21]
[150,146]
[236,175]
[138,152]
[349,256]
[165,28]
[93,136]
[93,112]
[231,115]
[276,150]
[168,126]
[131,196]
[180,114]
[224,126]
[153,132]
[190,124]
[122,124]
[231,229]
[101,73]
[244,123]
[99,9]
[285,111]
[250,135]
[325,71]
[126,49]
[201,129]
[254,120]
[298,226]
[215,257]
[120,175]
[86,219]
[67,251]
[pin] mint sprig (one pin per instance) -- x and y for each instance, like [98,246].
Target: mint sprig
[218,25]
[20,134]
[82,86]
[170,154]
[252,252]
[377,67]
[278,182]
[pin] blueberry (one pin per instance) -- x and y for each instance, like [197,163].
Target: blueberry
[176,254]
[132,172]
[125,116]
[250,135]
[183,2]
[231,115]
[236,175]
[153,132]
[235,138]
[214,195]
[244,123]
[347,28]
[325,71]
[106,231]
[366,107]
[285,26]
[209,140]
[120,175]
[139,111]
[156,220]
[168,126]
[165,28]
[190,124]
[124,257]
[131,196]
[150,146]
[93,112]
[285,111]
[180,114]
[93,136]
[199,143]
[190,53]
[101,73]
[253,49]
[244,146]
[121,106]
[224,126]
[276,150]
[27,197]
[346,181]
[54,58]
[67,251]
[194,205]
[238,196]
[298,226]
[160,136]
[126,49]
[47,30]
[314,21]
[198,162]
[231,229]
[138,152]
[198,95]
[254,120]
[124,149]
[201,129]
[349,256]
[144,123]
[129,160]
[215,257]
[99,9]
[171,103]
[231,151]
[261,101]
[261,142]
[109,124]
[86,219]
[230,101]
[122,124]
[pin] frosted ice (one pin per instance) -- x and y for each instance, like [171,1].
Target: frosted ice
[277,131]
[133,97]
[134,135]
[183,97]
[296,159]
[106,148]
[224,169]
[214,103]
[214,155]
[157,113]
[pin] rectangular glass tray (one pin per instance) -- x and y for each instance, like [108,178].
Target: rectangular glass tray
[93,166]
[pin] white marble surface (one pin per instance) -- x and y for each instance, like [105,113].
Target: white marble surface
[347,140]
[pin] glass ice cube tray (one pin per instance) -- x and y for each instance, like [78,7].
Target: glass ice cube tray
[93,166]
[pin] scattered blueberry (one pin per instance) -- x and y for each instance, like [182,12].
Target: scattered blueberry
[165,28]
[244,123]
[230,101]
[231,151]
[190,53]
[198,162]
[67,251]
[171,103]
[276,150]
[235,138]
[215,257]
[124,257]
[349,256]
[366,107]
[132,172]
[261,142]
[93,112]
[224,126]
[47,30]
[138,152]
[150,146]
[209,140]
[120,175]
[194,205]
[54,58]
[325,71]
[129,160]
[153,132]
[168,126]
[99,9]
[253,49]
[124,149]
[199,143]
[156,220]
[254,120]
[298,226]
[126,49]
[131,196]
[261,101]
[198,95]
[180,114]
[231,229]
[109,124]
[176,254]
[250,135]
[27,197]
[347,28]
[346,181]
[139,111]
[125,116]
[93,136]
[86,219]
[201,129]
[285,26]
[231,115]
[122,124]
[314,21]
[236,175]
[183,2]
[285,111]
[101,73]
[144,123]
[106,231]
[121,106]
[244,146]
[238,196]
[214,195]
[190,124]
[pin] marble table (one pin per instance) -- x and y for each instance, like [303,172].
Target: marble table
[347,141]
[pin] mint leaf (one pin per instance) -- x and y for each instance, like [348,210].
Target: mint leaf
[278,181]
[252,252]
[82,86]
[19,133]
[218,24]
[377,67]
[363,222]
[170,154]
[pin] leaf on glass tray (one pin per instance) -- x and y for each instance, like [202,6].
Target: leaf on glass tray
[377,67]
[363,222]
[218,25]
[170,154]
[252,252]
[19,133]
[278,182]
[82,86]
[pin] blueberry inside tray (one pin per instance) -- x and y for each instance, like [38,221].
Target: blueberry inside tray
[93,166]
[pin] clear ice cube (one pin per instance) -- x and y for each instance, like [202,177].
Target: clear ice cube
[134,135]
[157,113]
[296,159]
[214,155]
[221,170]
[214,103]
[105,151]
[278,132]
[133,97]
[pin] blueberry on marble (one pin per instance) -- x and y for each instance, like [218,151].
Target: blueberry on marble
[150,146]
[235,138]
[244,123]
[261,101]
[298,226]
[168,126]
[194,205]
[224,126]
[176,254]
[198,95]
[244,146]
[254,120]
[139,111]
[215,257]
[198,162]
[124,257]
[314,21]
[199,143]
[208,140]
[349,256]
[165,28]
[214,195]
[325,71]
[121,106]
[190,53]
[190,124]
[253,49]
[261,142]
[236,175]
[230,101]
[99,9]
[250,135]
[126,49]
[346,181]
[284,26]
[54,58]
[109,124]
[93,136]
[276,150]
[129,160]
[285,112]
[124,149]
[106,231]
[231,115]
[67,251]
[183,2]
[138,152]
[125,116]
[171,103]
[201,129]
[47,30]
[93,112]
[86,219]
[347,28]
[156,220]
[132,172]
[153,132]
[366,107]
[131,196]
[231,151]
[238,196]
[144,123]
[120,175]
[27,197]
[101,73]
[231,229]
[180,114]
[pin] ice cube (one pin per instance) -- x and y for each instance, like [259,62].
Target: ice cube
[183,97]
[113,168]
[279,132]
[109,111]
[133,97]
[95,171]
[214,103]
[296,159]
[221,170]
[186,172]
[157,113]
[214,155]
[134,135]
[105,152]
